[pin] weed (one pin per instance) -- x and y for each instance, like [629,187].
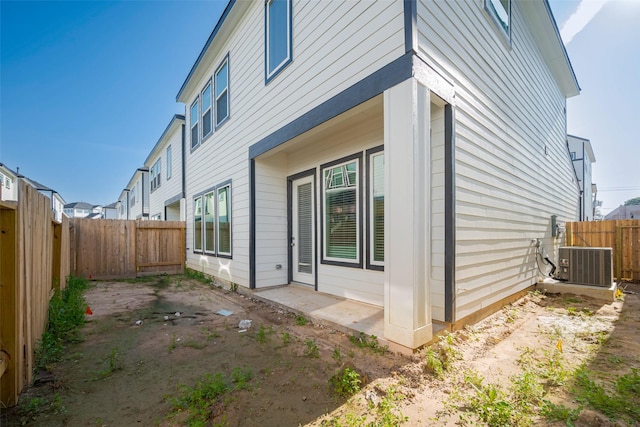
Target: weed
[262,336]
[173,343]
[210,334]
[33,406]
[337,355]
[197,275]
[388,413]
[286,339]
[301,320]
[345,383]
[371,342]
[113,364]
[553,412]
[312,349]
[162,282]
[200,400]
[57,406]
[233,287]
[615,359]
[572,311]
[66,315]
[552,368]
[196,345]
[433,363]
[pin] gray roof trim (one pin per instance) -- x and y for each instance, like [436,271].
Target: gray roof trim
[223,17]
[15,174]
[177,118]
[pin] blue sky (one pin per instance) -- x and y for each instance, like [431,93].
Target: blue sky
[87,87]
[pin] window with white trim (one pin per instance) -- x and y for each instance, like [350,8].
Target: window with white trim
[7,182]
[341,212]
[194,124]
[376,208]
[500,12]
[206,110]
[277,36]
[222,92]
[169,162]
[197,224]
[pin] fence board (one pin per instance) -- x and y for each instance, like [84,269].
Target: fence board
[108,249]
[623,236]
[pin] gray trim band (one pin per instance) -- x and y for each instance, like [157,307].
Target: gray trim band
[372,85]
[410,25]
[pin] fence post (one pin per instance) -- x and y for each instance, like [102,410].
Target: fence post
[618,253]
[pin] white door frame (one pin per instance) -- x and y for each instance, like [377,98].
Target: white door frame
[297,268]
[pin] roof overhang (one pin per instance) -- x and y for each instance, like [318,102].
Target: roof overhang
[545,29]
[227,22]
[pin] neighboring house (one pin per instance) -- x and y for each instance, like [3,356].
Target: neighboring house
[8,183]
[166,184]
[57,202]
[137,195]
[122,205]
[624,212]
[581,153]
[110,211]
[404,154]
[79,209]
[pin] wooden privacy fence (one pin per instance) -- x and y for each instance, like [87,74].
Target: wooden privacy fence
[34,261]
[109,248]
[623,236]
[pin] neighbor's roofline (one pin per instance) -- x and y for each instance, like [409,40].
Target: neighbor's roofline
[564,49]
[174,119]
[223,17]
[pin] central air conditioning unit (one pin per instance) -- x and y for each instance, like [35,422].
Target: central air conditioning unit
[587,266]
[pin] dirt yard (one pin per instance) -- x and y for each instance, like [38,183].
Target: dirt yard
[149,343]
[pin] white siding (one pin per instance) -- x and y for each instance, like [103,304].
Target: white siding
[508,112]
[172,187]
[335,44]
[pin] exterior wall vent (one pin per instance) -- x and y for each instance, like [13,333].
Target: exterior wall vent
[587,266]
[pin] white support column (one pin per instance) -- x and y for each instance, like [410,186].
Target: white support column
[407,293]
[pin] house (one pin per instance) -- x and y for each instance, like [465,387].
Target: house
[110,211]
[8,183]
[581,153]
[404,154]
[57,202]
[134,200]
[81,209]
[624,212]
[166,184]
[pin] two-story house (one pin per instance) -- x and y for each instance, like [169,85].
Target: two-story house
[166,184]
[582,156]
[400,153]
[8,183]
[133,202]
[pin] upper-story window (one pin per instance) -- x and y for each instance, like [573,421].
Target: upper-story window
[194,125]
[7,182]
[500,12]
[573,155]
[206,111]
[169,162]
[156,173]
[277,36]
[222,92]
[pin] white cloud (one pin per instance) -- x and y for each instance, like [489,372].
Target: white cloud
[586,11]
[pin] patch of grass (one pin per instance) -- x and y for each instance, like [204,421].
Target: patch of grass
[301,320]
[66,316]
[345,383]
[173,344]
[552,368]
[311,349]
[433,363]
[263,334]
[286,339]
[196,345]
[197,275]
[371,342]
[553,412]
[201,400]
[440,358]
[162,282]
[337,355]
[210,334]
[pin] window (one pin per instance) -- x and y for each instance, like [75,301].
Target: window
[133,195]
[376,207]
[168,162]
[156,174]
[222,92]
[277,36]
[573,155]
[224,220]
[194,125]
[197,225]
[500,12]
[206,111]
[215,233]
[341,211]
[209,223]
[7,182]
[156,217]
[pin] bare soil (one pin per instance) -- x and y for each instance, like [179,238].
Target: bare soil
[147,338]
